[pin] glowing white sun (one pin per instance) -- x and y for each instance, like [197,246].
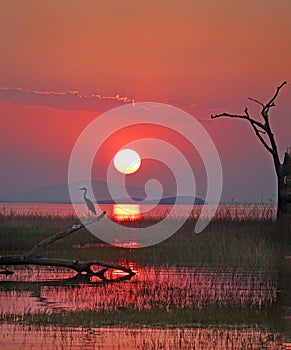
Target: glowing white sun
[127,161]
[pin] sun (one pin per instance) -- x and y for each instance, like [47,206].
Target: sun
[127,161]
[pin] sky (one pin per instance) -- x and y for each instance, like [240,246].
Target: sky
[65,62]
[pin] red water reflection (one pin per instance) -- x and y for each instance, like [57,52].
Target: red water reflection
[126,212]
[75,338]
[132,265]
[230,211]
[150,288]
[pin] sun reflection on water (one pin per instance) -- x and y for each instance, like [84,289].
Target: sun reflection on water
[126,212]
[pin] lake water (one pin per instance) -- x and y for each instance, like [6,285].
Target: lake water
[222,309]
[136,212]
[165,290]
[47,338]
[151,288]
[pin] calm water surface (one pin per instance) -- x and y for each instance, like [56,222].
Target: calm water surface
[32,290]
[141,211]
[53,290]
[28,337]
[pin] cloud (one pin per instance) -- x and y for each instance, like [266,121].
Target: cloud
[67,100]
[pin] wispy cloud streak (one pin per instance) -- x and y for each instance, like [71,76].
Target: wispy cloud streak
[63,99]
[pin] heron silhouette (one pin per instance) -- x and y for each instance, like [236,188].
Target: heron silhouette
[88,202]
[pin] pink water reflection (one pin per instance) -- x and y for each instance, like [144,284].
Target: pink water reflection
[45,338]
[162,288]
[230,210]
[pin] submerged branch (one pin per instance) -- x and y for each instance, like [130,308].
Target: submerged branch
[82,267]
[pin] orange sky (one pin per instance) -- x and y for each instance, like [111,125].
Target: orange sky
[202,56]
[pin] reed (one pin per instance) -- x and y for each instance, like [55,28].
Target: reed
[240,241]
[212,316]
[55,337]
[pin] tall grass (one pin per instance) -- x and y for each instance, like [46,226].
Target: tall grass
[268,317]
[228,241]
[54,337]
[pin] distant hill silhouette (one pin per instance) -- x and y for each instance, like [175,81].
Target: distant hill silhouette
[182,200]
[59,193]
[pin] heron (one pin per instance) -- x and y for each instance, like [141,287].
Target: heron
[88,202]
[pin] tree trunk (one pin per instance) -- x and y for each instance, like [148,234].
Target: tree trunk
[268,141]
[282,187]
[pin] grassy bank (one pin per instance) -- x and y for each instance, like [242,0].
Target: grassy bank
[226,242]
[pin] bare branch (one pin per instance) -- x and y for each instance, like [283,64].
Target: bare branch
[271,102]
[36,251]
[34,256]
[253,122]
[227,115]
[257,101]
[268,142]
[263,141]
[240,116]
[77,265]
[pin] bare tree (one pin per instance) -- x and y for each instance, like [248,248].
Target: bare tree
[264,133]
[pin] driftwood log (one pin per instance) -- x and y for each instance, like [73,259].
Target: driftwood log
[81,267]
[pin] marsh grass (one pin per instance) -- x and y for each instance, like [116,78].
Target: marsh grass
[19,233]
[228,241]
[55,337]
[240,242]
[268,317]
